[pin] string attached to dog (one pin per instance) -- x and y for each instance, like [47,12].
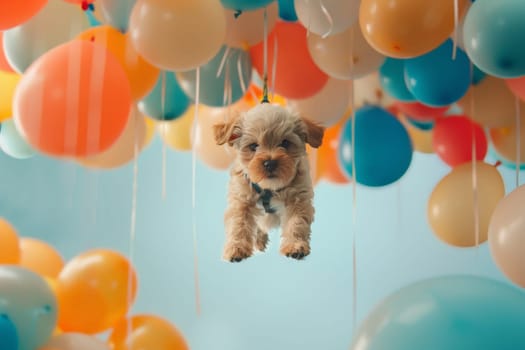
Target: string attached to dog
[265,59]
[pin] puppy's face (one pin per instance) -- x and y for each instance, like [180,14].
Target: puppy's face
[270,142]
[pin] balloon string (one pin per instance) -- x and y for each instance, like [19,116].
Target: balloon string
[329,19]
[265,58]
[456,23]
[163,116]
[518,141]
[354,197]
[274,65]
[193,196]
[241,76]
[223,62]
[475,195]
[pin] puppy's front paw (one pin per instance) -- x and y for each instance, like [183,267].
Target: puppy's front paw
[261,241]
[295,249]
[237,252]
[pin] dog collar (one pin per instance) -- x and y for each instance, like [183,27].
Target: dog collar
[265,197]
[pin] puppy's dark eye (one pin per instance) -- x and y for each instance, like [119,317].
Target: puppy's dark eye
[253,147]
[285,144]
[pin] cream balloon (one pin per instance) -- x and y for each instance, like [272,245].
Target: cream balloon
[346,55]
[368,91]
[507,236]
[247,29]
[327,17]
[178,35]
[326,107]
[127,146]
[75,341]
[57,23]
[452,210]
[177,133]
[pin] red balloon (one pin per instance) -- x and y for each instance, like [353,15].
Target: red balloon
[15,12]
[419,111]
[73,101]
[453,138]
[297,76]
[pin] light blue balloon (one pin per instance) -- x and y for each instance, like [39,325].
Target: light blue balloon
[383,149]
[8,334]
[28,301]
[447,313]
[245,5]
[117,12]
[175,100]
[492,34]
[435,78]
[287,10]
[238,69]
[12,143]
[392,79]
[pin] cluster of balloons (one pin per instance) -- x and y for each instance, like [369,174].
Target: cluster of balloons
[47,303]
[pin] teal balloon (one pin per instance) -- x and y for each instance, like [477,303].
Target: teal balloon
[477,75]
[31,306]
[447,313]
[8,334]
[492,33]
[117,12]
[392,79]
[175,100]
[213,89]
[245,5]
[436,79]
[12,143]
[425,126]
[287,10]
[383,149]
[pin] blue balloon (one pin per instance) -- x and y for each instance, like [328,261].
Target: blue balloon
[117,12]
[8,334]
[490,33]
[383,149]
[287,10]
[435,78]
[245,5]
[450,312]
[237,69]
[477,75]
[175,100]
[425,126]
[392,79]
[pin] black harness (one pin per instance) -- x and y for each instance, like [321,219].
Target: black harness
[265,197]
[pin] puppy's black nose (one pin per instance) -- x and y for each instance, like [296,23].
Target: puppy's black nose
[270,164]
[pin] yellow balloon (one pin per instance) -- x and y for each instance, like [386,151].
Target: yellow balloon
[150,131]
[8,83]
[452,210]
[177,133]
[421,139]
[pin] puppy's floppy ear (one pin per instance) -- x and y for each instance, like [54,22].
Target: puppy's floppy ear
[229,130]
[311,132]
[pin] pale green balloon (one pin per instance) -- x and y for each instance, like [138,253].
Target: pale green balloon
[12,143]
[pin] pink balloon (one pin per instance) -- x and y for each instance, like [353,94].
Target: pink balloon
[517,86]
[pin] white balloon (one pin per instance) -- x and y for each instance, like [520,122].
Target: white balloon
[327,17]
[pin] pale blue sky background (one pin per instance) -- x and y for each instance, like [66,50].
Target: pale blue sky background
[268,301]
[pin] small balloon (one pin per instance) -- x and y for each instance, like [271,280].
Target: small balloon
[392,78]
[10,247]
[421,138]
[287,10]
[177,133]
[327,17]
[12,143]
[40,257]
[168,107]
[13,13]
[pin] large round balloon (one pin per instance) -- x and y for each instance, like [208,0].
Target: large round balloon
[327,17]
[459,216]
[168,107]
[346,55]
[392,79]
[10,247]
[407,28]
[177,35]
[57,23]
[245,4]
[223,80]
[489,33]
[73,101]
[455,139]
[507,238]
[30,304]
[247,29]
[297,76]
[437,79]
[383,150]
[448,312]
[13,13]
[12,143]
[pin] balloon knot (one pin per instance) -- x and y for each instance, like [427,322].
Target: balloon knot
[92,39]
[84,5]
[237,14]
[497,164]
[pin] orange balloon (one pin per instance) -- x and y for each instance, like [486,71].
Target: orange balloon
[504,142]
[94,290]
[4,65]
[407,28]
[15,12]
[73,101]
[40,257]
[146,332]
[142,75]
[327,156]
[297,76]
[10,244]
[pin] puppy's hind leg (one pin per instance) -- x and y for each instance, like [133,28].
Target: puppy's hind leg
[261,240]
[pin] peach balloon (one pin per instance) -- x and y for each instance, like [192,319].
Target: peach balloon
[8,84]
[368,91]
[75,341]
[178,35]
[407,28]
[491,103]
[142,76]
[40,257]
[104,282]
[507,236]
[15,12]
[73,101]
[141,332]
[10,247]
[504,142]
[177,133]
[451,208]
[517,86]
[247,29]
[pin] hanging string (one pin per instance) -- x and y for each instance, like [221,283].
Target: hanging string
[518,141]
[265,59]
[274,64]
[164,127]
[475,194]
[193,197]
[456,24]
[330,20]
